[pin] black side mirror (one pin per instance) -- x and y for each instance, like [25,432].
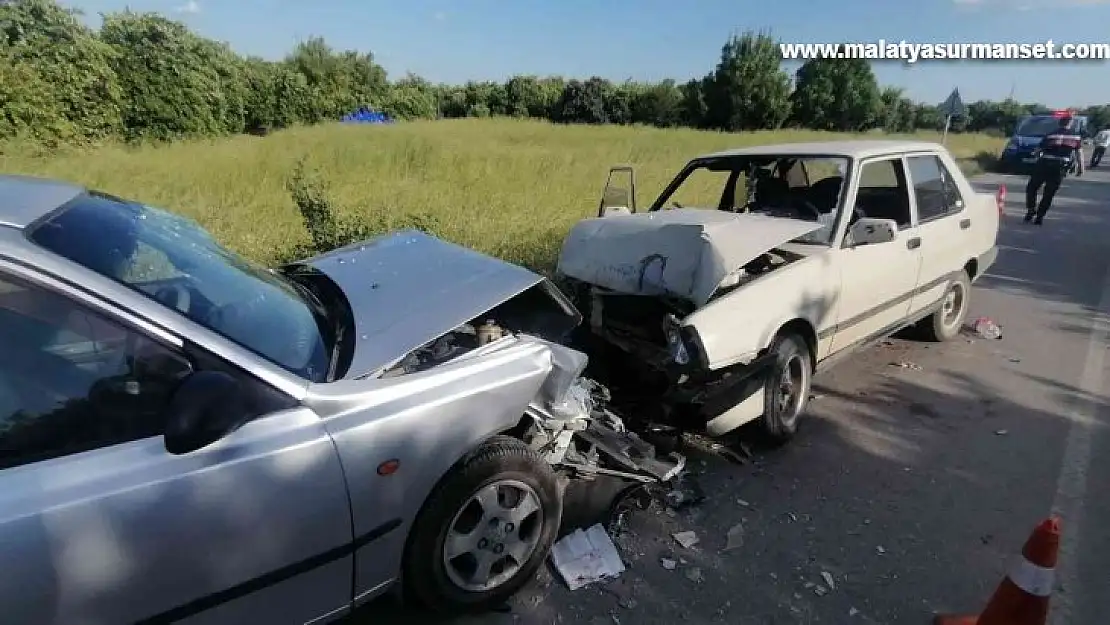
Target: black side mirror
[207,406]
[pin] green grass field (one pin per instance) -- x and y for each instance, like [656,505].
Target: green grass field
[509,188]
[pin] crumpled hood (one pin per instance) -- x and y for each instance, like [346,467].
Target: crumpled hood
[408,288]
[685,252]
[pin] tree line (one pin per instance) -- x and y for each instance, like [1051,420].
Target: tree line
[142,76]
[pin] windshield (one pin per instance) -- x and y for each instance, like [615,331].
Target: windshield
[1038,126]
[795,187]
[174,261]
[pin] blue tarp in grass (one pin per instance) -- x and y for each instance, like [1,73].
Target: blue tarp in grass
[366,116]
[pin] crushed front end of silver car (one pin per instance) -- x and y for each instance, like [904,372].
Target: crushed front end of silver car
[417,302]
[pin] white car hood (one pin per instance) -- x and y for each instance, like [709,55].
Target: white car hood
[682,252]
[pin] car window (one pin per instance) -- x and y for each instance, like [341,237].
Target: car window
[73,380]
[883,192]
[703,188]
[935,190]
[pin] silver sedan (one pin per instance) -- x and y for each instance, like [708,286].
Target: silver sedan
[187,436]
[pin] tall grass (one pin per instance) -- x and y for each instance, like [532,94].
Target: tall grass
[508,188]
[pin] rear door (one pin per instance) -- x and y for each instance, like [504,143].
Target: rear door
[100,524]
[944,222]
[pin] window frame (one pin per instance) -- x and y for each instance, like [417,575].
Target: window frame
[948,187]
[853,186]
[174,346]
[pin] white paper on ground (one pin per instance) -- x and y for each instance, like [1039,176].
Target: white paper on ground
[585,557]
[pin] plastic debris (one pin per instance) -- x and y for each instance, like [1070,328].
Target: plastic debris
[820,590]
[852,611]
[1001,432]
[668,563]
[825,575]
[585,557]
[986,328]
[905,364]
[686,539]
[734,539]
[879,550]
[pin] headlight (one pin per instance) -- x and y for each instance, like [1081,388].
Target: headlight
[675,345]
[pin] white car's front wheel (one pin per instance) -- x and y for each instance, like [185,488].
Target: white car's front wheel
[786,388]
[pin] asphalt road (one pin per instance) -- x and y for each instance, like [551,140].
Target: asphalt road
[912,487]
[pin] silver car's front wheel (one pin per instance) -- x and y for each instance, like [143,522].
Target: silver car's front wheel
[493,535]
[485,529]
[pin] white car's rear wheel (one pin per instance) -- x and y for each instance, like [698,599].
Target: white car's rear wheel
[945,323]
[485,530]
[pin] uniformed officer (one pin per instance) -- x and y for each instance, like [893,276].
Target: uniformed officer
[1057,152]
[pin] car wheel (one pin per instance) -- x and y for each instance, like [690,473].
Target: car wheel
[945,323]
[786,388]
[485,529]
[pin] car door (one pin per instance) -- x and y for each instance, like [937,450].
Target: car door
[943,222]
[99,524]
[877,279]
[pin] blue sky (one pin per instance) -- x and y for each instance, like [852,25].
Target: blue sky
[458,40]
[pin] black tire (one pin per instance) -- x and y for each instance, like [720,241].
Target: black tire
[945,323]
[781,414]
[502,459]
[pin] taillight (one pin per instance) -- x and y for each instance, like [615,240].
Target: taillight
[1000,199]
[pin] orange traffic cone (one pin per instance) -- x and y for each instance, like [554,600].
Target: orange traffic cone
[1022,597]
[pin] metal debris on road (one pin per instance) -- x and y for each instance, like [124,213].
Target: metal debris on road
[668,563]
[730,455]
[905,364]
[1001,432]
[743,503]
[585,557]
[686,539]
[825,575]
[879,550]
[685,492]
[986,328]
[734,539]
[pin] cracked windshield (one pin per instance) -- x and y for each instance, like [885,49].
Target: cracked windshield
[554,313]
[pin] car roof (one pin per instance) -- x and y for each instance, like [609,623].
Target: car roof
[855,148]
[23,199]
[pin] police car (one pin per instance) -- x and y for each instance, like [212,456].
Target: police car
[1031,129]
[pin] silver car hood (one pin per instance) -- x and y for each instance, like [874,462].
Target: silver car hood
[408,288]
[684,253]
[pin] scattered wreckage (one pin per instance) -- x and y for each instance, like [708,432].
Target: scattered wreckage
[712,309]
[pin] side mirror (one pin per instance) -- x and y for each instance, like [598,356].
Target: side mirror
[869,231]
[207,406]
[619,197]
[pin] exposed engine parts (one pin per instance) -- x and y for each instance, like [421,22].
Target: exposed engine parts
[447,347]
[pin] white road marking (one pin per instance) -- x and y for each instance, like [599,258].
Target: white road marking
[1071,485]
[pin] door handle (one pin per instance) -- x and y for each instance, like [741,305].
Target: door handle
[965,224]
[914,243]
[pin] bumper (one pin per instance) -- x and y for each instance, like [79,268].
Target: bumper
[985,261]
[1019,158]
